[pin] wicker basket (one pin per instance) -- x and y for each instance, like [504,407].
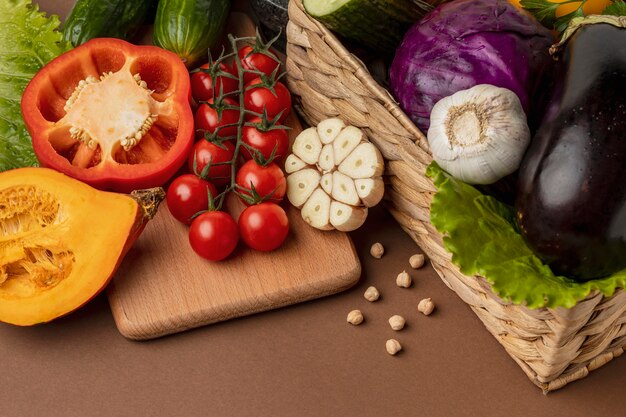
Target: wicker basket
[552,346]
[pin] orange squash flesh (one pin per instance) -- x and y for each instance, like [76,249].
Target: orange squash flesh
[60,242]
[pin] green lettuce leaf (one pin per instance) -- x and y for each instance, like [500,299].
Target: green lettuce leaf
[28,40]
[482,236]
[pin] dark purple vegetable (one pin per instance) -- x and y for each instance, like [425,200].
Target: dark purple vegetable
[464,43]
[571,206]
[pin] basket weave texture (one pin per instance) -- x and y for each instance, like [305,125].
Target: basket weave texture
[552,346]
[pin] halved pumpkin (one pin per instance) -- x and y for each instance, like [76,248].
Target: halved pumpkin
[61,241]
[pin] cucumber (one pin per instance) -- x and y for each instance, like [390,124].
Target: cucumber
[190,27]
[105,18]
[378,25]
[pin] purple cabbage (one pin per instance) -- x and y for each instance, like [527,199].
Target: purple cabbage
[464,43]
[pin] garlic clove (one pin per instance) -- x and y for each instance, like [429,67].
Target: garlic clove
[347,218]
[316,211]
[365,161]
[293,164]
[346,142]
[329,129]
[370,190]
[344,189]
[301,184]
[327,183]
[307,146]
[327,158]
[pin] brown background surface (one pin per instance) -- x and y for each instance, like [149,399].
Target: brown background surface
[303,360]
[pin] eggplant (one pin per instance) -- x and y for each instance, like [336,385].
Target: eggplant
[571,201]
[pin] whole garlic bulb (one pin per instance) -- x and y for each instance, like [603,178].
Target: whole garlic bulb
[479,135]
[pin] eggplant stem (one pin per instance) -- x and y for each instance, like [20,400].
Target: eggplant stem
[580,22]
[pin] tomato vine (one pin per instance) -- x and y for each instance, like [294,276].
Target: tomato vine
[221,101]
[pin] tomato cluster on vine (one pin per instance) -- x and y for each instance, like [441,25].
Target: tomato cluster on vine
[240,147]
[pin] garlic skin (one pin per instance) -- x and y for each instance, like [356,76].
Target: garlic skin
[479,135]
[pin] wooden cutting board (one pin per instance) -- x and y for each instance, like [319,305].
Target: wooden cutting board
[163,287]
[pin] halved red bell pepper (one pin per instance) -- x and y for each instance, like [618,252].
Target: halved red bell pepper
[111,114]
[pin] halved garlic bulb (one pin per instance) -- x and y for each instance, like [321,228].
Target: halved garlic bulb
[334,176]
[479,135]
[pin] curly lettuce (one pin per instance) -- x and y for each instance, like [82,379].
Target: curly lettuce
[482,236]
[28,40]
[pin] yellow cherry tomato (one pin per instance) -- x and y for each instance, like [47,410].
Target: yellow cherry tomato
[590,7]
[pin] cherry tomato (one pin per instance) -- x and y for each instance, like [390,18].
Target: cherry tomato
[187,195]
[202,83]
[204,152]
[213,235]
[207,119]
[251,60]
[268,181]
[265,142]
[264,227]
[258,98]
